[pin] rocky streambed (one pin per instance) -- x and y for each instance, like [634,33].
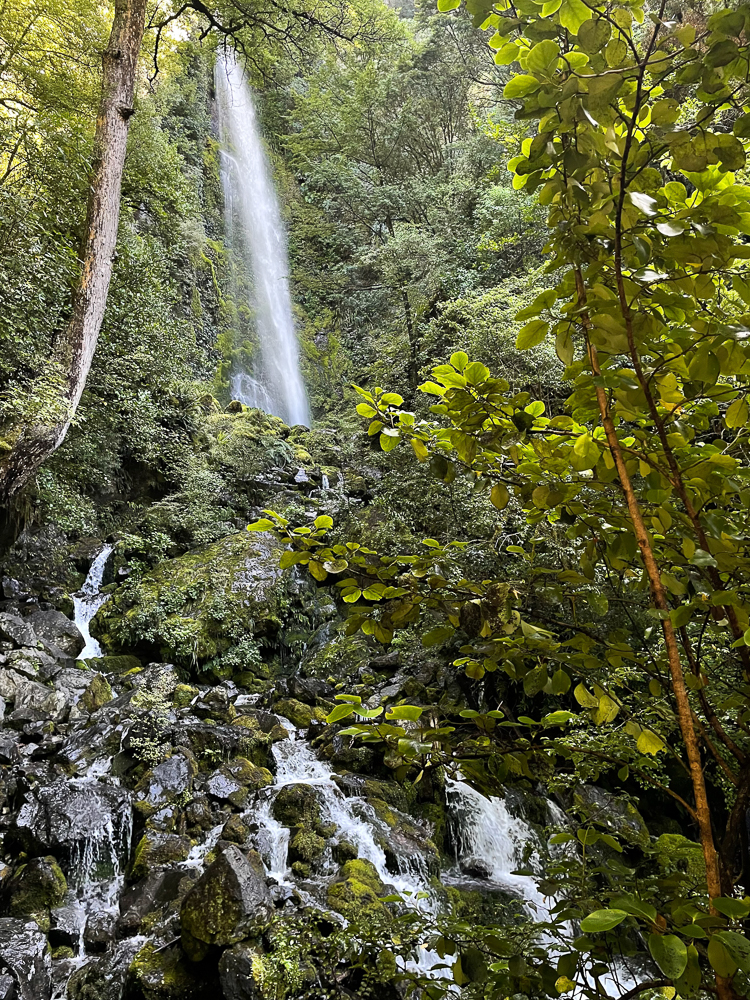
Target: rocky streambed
[163,838]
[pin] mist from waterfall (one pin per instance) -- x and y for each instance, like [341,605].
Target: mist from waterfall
[254,227]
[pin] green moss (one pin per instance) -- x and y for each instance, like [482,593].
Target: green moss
[183,695]
[162,975]
[37,887]
[62,952]
[158,850]
[235,830]
[673,851]
[306,846]
[114,664]
[297,805]
[357,891]
[384,812]
[249,774]
[98,693]
[299,714]
[201,605]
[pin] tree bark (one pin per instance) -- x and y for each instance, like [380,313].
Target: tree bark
[34,441]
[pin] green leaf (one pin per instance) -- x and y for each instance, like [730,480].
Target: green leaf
[340,712]
[437,635]
[388,442]
[521,85]
[446,5]
[262,525]
[410,712]
[532,334]
[648,742]
[735,909]
[602,920]
[573,13]
[737,413]
[499,496]
[584,698]
[323,521]
[720,958]
[557,718]
[736,944]
[670,954]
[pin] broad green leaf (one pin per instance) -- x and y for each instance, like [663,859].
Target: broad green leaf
[437,635]
[340,712]
[737,413]
[323,521]
[532,334]
[670,954]
[573,13]
[602,920]
[736,944]
[410,712]
[648,742]
[499,496]
[584,698]
[720,958]
[520,86]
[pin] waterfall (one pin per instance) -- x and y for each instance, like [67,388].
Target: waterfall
[87,602]
[277,385]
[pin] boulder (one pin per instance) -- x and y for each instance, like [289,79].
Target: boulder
[54,628]
[168,781]
[232,781]
[140,900]
[357,891]
[229,902]
[33,663]
[97,693]
[171,611]
[32,697]
[16,630]
[83,820]
[236,973]
[35,889]
[158,850]
[24,956]
[296,805]
[165,975]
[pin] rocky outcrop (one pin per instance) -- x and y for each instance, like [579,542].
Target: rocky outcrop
[229,902]
[25,959]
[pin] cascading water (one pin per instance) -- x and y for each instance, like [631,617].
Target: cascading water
[88,600]
[277,386]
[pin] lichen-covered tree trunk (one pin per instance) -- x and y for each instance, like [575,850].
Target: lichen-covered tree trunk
[34,441]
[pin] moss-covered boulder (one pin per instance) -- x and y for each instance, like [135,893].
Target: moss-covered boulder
[298,713]
[228,903]
[197,607]
[306,846]
[357,891]
[35,889]
[98,693]
[158,850]
[296,805]
[113,664]
[157,974]
[234,781]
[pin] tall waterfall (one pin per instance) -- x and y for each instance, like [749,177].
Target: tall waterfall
[276,385]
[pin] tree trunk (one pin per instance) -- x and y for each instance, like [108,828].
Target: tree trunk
[33,442]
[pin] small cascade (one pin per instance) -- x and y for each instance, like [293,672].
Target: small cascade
[488,836]
[88,600]
[249,193]
[355,819]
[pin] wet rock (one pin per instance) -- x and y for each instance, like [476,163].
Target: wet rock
[97,694]
[183,695]
[13,589]
[165,975]
[344,851]
[168,781]
[17,630]
[236,973]
[198,813]
[232,781]
[74,818]
[147,895]
[114,664]
[476,868]
[67,924]
[234,830]
[210,744]
[9,752]
[24,957]
[357,891]
[296,805]
[31,698]
[35,889]
[158,850]
[54,628]
[229,902]
[33,663]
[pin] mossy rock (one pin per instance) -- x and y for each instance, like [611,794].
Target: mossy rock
[249,774]
[356,892]
[673,851]
[113,664]
[485,906]
[158,850]
[164,975]
[298,713]
[37,887]
[306,846]
[183,694]
[296,805]
[97,694]
[235,831]
[201,604]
